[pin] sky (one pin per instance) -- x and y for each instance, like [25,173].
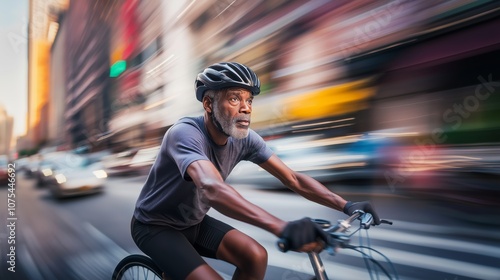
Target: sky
[14,61]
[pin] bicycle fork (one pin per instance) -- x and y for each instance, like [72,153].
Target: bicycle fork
[317,264]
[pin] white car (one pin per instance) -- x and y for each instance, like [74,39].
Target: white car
[327,159]
[77,175]
[119,163]
[144,159]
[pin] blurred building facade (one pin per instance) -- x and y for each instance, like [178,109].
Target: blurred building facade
[42,30]
[86,56]
[439,78]
[6,130]
[137,92]
[68,73]
[319,62]
[38,48]
[56,134]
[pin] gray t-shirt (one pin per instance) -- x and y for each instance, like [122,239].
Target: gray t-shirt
[169,197]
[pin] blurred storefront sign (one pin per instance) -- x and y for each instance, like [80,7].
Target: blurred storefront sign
[330,101]
[320,103]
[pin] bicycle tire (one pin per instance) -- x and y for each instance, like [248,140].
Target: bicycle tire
[137,267]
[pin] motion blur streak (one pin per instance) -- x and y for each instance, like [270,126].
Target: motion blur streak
[396,102]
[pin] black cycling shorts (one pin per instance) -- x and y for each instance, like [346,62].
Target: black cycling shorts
[178,252]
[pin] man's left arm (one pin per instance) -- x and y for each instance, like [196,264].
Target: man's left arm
[303,184]
[314,190]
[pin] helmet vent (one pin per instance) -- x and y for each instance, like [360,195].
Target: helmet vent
[233,76]
[213,77]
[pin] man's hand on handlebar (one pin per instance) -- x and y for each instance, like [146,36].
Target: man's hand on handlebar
[304,235]
[364,206]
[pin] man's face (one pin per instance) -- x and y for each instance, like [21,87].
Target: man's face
[232,111]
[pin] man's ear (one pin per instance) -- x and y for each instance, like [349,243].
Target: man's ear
[207,104]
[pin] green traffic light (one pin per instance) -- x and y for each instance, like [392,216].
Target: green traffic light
[117,68]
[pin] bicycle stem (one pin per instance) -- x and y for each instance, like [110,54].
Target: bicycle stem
[343,225]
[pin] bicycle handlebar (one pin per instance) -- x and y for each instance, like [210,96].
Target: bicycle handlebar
[337,234]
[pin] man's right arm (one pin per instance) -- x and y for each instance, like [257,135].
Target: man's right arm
[228,201]
[303,235]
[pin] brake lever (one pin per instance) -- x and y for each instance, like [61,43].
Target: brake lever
[386,222]
[366,220]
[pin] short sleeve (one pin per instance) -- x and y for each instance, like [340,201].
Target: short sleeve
[184,144]
[258,151]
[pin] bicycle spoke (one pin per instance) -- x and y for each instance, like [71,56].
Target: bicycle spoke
[139,273]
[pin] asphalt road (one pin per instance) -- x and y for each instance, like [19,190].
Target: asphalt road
[85,237]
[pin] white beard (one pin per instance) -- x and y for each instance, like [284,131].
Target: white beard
[228,126]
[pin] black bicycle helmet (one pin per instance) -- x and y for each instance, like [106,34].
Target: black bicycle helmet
[226,74]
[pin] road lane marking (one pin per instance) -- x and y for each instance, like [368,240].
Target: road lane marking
[454,267]
[438,229]
[29,264]
[36,269]
[107,243]
[434,242]
[438,264]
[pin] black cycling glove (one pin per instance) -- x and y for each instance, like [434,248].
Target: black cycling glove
[365,206]
[301,232]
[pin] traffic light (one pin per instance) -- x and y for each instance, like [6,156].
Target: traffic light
[117,68]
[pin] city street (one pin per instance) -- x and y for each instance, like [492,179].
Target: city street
[85,237]
[392,102]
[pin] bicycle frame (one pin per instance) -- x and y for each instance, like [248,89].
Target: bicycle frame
[315,259]
[317,265]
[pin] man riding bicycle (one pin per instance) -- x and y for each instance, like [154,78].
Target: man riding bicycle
[170,222]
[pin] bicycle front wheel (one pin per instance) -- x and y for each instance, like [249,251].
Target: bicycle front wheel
[137,267]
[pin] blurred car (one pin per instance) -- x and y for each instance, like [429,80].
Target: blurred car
[119,163]
[353,157]
[74,175]
[4,175]
[31,167]
[144,159]
[43,168]
[22,164]
[467,174]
